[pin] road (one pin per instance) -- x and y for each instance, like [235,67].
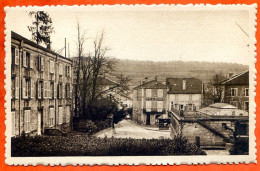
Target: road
[129,129]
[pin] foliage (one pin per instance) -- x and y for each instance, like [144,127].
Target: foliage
[240,147]
[41,27]
[91,127]
[82,145]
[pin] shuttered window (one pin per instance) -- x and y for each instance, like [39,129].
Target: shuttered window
[39,89]
[148,93]
[60,69]
[16,59]
[246,92]
[32,89]
[148,106]
[60,115]
[13,88]
[159,106]
[42,63]
[51,117]
[25,88]
[24,59]
[160,93]
[51,66]
[27,119]
[31,61]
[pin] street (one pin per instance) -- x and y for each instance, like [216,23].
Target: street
[129,129]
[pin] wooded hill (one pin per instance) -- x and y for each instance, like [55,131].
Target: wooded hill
[138,70]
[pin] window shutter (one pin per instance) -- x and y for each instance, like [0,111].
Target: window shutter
[55,90]
[16,62]
[23,88]
[38,63]
[70,71]
[31,61]
[60,115]
[70,91]
[230,92]
[44,90]
[49,92]
[32,89]
[16,87]
[42,63]
[24,59]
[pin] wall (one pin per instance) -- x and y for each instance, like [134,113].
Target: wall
[184,99]
[33,103]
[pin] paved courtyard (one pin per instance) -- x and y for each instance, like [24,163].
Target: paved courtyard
[129,129]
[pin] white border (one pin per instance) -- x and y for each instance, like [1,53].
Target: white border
[134,160]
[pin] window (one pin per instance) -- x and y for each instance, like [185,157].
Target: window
[246,106]
[60,69]
[40,89]
[224,126]
[233,91]
[13,88]
[45,90]
[26,88]
[16,56]
[51,66]
[68,71]
[60,91]
[148,93]
[40,63]
[148,106]
[13,55]
[159,106]
[246,92]
[26,58]
[31,61]
[27,119]
[160,93]
[172,106]
[51,117]
[51,90]
[13,123]
[184,84]
[32,89]
[60,115]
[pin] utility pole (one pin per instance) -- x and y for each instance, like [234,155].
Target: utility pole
[65,47]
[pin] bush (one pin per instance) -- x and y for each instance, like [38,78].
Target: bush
[82,145]
[87,126]
[240,147]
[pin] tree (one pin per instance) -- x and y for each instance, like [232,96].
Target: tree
[41,27]
[218,91]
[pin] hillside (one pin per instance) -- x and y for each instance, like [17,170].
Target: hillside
[138,70]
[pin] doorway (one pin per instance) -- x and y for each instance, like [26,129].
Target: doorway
[40,122]
[148,119]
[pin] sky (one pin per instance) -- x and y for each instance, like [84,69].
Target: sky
[151,34]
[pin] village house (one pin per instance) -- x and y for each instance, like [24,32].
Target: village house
[184,94]
[41,88]
[235,90]
[149,102]
[212,126]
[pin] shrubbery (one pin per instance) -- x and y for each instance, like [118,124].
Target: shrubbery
[91,127]
[82,145]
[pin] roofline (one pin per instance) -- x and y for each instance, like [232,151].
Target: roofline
[233,77]
[13,34]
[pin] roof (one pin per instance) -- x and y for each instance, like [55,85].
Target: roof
[29,42]
[153,84]
[175,86]
[222,109]
[105,81]
[241,78]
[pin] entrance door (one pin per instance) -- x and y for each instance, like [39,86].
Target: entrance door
[40,122]
[148,119]
[198,141]
[246,106]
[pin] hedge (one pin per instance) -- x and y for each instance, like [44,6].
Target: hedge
[80,145]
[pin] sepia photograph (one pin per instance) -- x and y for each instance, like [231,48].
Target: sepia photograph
[149,81]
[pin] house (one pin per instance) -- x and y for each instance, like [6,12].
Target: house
[41,82]
[212,126]
[149,102]
[236,90]
[184,94]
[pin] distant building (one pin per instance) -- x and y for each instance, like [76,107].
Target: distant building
[236,90]
[41,88]
[184,94]
[212,126]
[149,102]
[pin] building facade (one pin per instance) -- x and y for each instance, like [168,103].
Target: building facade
[41,88]
[236,90]
[212,126]
[149,102]
[184,94]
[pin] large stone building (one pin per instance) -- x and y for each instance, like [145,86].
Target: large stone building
[149,102]
[41,88]
[236,90]
[184,93]
[212,126]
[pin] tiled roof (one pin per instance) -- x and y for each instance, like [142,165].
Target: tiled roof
[154,84]
[238,79]
[175,86]
[105,81]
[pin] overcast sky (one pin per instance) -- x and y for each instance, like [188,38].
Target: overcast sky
[157,35]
